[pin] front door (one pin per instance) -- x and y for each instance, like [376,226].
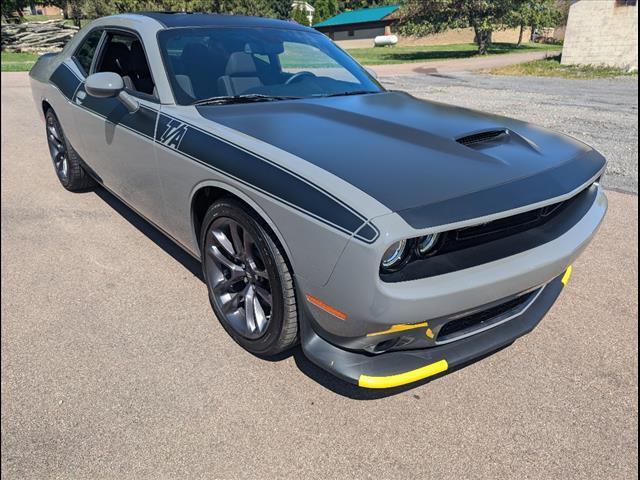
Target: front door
[116,144]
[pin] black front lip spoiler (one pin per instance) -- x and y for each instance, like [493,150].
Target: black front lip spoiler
[398,368]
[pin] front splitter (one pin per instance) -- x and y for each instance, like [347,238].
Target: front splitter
[393,369]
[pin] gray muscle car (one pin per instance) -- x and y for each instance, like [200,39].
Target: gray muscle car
[394,238]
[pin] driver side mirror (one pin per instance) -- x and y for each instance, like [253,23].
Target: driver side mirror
[109,85]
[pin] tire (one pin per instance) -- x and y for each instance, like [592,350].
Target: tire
[261,260]
[66,161]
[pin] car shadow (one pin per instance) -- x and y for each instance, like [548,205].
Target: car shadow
[308,368]
[345,389]
[151,232]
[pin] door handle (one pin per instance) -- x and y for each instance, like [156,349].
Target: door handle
[80,96]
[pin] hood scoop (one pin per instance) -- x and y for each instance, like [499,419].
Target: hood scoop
[479,139]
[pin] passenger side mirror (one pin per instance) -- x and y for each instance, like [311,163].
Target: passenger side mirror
[109,85]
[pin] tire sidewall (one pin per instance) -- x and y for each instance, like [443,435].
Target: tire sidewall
[265,344]
[50,115]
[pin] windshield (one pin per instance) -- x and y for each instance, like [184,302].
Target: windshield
[257,63]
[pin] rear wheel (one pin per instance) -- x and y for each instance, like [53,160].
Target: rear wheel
[66,161]
[250,285]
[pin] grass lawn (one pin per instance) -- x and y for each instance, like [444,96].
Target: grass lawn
[551,67]
[385,55]
[41,18]
[18,62]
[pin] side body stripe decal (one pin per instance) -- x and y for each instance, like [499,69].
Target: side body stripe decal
[223,156]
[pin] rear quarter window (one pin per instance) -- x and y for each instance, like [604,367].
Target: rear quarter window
[85,53]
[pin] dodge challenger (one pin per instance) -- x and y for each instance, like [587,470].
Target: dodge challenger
[393,238]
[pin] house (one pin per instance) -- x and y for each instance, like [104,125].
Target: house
[603,32]
[359,26]
[305,7]
[43,9]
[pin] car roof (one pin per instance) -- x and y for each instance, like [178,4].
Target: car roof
[188,19]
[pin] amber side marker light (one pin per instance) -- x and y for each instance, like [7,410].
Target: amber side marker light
[327,308]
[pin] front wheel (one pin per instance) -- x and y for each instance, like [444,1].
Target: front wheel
[249,282]
[66,161]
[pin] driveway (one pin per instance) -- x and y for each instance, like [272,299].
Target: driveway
[113,365]
[486,62]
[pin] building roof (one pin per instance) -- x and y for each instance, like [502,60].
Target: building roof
[305,5]
[188,19]
[359,16]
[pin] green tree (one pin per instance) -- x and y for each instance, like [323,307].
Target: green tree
[76,10]
[356,4]
[422,17]
[279,8]
[536,14]
[325,9]
[300,16]
[12,7]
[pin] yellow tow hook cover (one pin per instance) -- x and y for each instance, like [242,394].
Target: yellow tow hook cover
[411,376]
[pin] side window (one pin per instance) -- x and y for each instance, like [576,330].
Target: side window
[123,54]
[84,54]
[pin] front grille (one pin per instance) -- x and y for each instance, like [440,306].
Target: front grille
[484,318]
[483,243]
[508,226]
[481,137]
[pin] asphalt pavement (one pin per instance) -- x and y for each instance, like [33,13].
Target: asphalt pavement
[114,366]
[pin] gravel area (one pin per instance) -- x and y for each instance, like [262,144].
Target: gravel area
[602,113]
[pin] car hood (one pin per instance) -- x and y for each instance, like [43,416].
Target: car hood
[412,155]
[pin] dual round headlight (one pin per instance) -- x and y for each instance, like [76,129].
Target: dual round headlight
[397,252]
[426,243]
[394,254]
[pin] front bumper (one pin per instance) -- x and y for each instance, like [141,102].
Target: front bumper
[398,368]
[352,345]
[370,305]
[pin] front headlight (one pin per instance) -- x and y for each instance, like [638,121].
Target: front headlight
[426,243]
[394,254]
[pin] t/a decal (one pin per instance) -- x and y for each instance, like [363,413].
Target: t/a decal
[173,134]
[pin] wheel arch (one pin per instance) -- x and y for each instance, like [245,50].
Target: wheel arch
[205,193]
[46,106]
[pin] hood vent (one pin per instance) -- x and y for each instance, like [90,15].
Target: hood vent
[477,139]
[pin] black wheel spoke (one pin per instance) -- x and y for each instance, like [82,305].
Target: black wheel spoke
[247,244]
[237,279]
[226,284]
[236,239]
[264,294]
[57,148]
[262,275]
[221,259]
[224,242]
[230,302]
[260,317]
[249,308]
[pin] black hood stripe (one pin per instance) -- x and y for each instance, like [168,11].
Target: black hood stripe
[260,173]
[402,152]
[223,156]
[568,177]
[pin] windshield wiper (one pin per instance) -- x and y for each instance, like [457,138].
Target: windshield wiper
[229,99]
[344,94]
